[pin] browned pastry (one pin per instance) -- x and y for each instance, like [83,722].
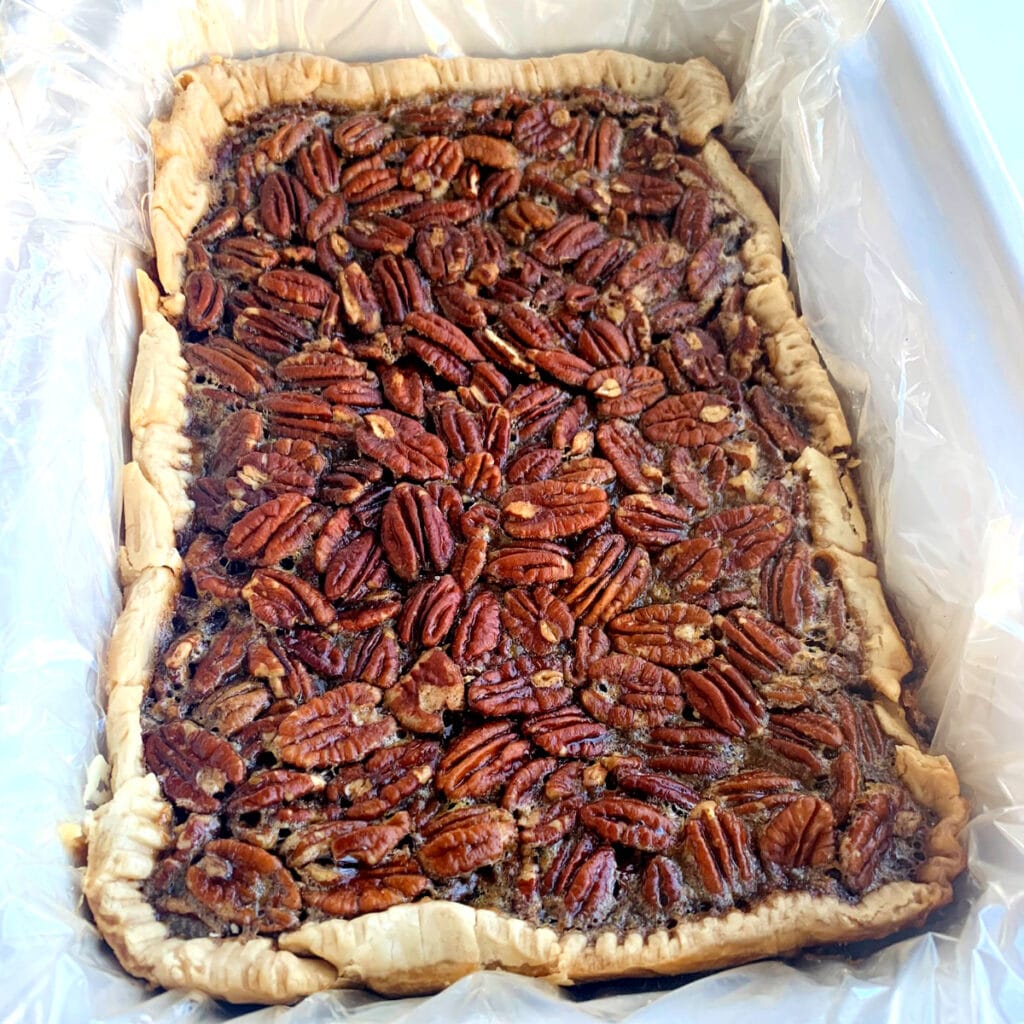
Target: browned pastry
[495,591]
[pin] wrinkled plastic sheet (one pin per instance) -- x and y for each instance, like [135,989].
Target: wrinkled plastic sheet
[900,274]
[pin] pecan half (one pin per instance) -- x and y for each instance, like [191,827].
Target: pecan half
[442,346]
[536,619]
[637,463]
[400,290]
[372,658]
[667,634]
[800,835]
[269,332]
[341,726]
[692,565]
[414,533]
[719,845]
[690,420]
[723,697]
[795,596]
[631,823]
[387,778]
[204,301]
[429,613]
[481,760]
[646,194]
[691,358]
[194,766]
[284,204]
[369,890]
[846,779]
[433,684]
[477,631]
[277,473]
[229,365]
[270,789]
[284,675]
[298,291]
[651,521]
[544,128]
[245,885]
[233,707]
[625,391]
[354,569]
[755,790]
[707,273]
[346,841]
[278,598]
[549,509]
[245,258]
[222,659]
[273,531]
[607,577]
[534,408]
[692,750]
[567,240]
[748,536]
[358,302]
[403,445]
[867,839]
[318,165]
[524,686]
[465,840]
[692,224]
[524,788]
[489,151]
[662,885]
[757,647]
[567,732]
[361,135]
[778,426]
[431,165]
[583,880]
[661,787]
[526,564]
[628,692]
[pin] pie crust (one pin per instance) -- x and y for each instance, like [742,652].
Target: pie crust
[421,947]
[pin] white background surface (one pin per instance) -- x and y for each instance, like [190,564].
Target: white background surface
[985,39]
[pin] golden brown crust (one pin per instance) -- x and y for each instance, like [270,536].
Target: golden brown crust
[148,606]
[886,660]
[932,782]
[422,947]
[835,516]
[425,946]
[156,409]
[437,943]
[794,359]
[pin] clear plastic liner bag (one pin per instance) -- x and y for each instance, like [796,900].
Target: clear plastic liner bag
[903,276]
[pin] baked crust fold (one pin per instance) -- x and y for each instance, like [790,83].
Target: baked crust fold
[424,946]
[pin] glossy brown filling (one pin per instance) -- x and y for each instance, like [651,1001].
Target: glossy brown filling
[500,587]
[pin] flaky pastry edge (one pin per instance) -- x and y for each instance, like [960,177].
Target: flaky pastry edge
[422,947]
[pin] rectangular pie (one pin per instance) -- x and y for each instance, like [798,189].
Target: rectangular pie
[496,591]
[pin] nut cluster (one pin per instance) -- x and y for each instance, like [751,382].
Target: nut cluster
[499,586]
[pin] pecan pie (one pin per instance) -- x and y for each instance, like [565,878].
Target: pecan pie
[496,591]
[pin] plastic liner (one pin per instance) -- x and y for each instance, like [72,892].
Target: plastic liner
[901,275]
